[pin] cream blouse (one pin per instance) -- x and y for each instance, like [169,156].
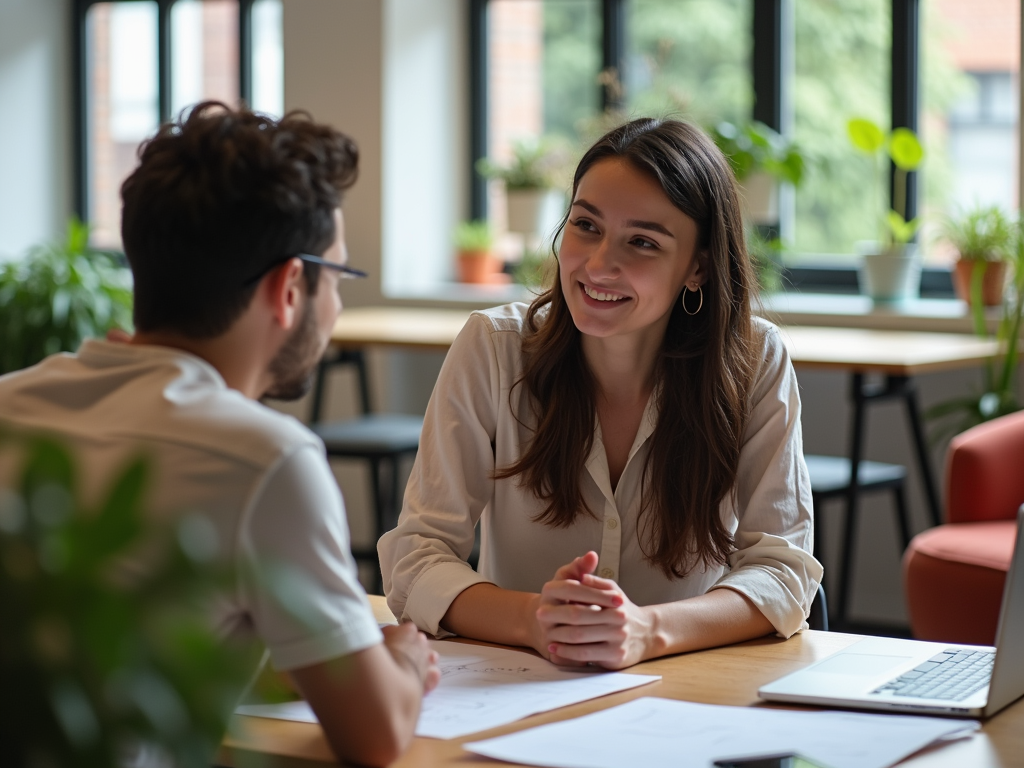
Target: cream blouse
[472,426]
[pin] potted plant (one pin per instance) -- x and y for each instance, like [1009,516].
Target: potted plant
[890,270]
[531,184]
[998,395]
[475,260]
[57,295]
[760,158]
[983,238]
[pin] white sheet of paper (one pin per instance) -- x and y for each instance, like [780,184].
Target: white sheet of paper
[661,733]
[483,687]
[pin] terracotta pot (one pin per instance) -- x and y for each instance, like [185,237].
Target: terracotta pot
[991,284]
[477,267]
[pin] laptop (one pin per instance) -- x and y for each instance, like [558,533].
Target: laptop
[923,677]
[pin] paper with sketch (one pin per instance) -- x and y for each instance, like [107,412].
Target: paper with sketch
[660,733]
[483,687]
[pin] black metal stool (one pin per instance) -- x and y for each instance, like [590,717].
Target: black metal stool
[381,439]
[830,479]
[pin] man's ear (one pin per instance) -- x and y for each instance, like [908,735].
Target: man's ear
[285,291]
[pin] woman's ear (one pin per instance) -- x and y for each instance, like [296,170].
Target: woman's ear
[284,290]
[698,274]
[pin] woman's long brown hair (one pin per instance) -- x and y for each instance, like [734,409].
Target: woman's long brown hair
[703,375]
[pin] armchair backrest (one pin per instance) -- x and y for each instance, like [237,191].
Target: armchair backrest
[985,471]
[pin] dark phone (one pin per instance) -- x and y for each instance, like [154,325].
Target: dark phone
[788,760]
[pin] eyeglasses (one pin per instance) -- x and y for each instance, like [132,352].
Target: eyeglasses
[344,270]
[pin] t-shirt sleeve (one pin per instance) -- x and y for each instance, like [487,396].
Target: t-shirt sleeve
[298,580]
[773,564]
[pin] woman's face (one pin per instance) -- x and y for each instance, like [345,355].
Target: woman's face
[626,253]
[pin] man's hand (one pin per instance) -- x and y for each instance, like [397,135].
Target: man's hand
[410,650]
[584,619]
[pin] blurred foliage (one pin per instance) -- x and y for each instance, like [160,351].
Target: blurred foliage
[984,233]
[101,661]
[766,258]
[903,148]
[537,269]
[537,163]
[998,395]
[58,294]
[756,147]
[471,236]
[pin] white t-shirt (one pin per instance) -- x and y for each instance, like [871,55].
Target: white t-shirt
[259,476]
[474,425]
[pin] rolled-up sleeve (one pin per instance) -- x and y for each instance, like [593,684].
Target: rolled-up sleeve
[424,559]
[773,564]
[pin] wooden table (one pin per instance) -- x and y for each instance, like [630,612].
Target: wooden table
[728,675]
[896,355]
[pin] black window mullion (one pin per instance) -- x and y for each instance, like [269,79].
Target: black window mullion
[245,51]
[478,52]
[613,48]
[906,35]
[766,63]
[80,123]
[163,59]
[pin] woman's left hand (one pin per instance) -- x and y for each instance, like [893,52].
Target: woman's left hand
[609,637]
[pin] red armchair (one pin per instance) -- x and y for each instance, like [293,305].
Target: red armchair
[954,574]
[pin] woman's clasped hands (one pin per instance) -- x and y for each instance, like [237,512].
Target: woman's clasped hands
[585,619]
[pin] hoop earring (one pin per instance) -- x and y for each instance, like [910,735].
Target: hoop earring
[699,292]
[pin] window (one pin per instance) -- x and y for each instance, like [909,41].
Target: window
[691,57]
[842,62]
[141,62]
[805,67]
[971,66]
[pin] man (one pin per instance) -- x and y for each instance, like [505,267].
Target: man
[233,229]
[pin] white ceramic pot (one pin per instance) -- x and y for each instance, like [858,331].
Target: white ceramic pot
[760,195]
[891,276]
[534,212]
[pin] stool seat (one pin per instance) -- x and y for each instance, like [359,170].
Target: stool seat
[830,475]
[954,577]
[375,434]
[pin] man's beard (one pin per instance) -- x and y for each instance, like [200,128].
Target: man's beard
[294,365]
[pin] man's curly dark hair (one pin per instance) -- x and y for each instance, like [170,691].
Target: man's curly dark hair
[219,198]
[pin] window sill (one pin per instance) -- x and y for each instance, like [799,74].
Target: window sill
[784,308]
[855,311]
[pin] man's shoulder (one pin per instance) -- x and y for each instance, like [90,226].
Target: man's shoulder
[112,393]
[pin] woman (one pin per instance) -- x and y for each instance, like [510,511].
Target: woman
[630,442]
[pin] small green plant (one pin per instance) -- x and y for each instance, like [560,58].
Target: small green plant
[535,164]
[474,236]
[998,396]
[756,147]
[99,658]
[903,148]
[983,233]
[536,268]
[766,259]
[57,295]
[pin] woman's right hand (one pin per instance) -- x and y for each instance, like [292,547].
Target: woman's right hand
[566,600]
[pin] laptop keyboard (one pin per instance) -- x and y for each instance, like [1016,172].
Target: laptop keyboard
[952,675]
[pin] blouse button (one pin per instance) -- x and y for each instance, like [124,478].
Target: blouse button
[607,573]
[612,523]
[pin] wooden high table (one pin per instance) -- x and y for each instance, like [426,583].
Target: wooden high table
[729,675]
[897,356]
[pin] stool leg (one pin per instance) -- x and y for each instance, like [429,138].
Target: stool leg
[901,515]
[378,522]
[846,559]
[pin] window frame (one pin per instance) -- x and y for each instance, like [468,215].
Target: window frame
[771,60]
[80,82]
